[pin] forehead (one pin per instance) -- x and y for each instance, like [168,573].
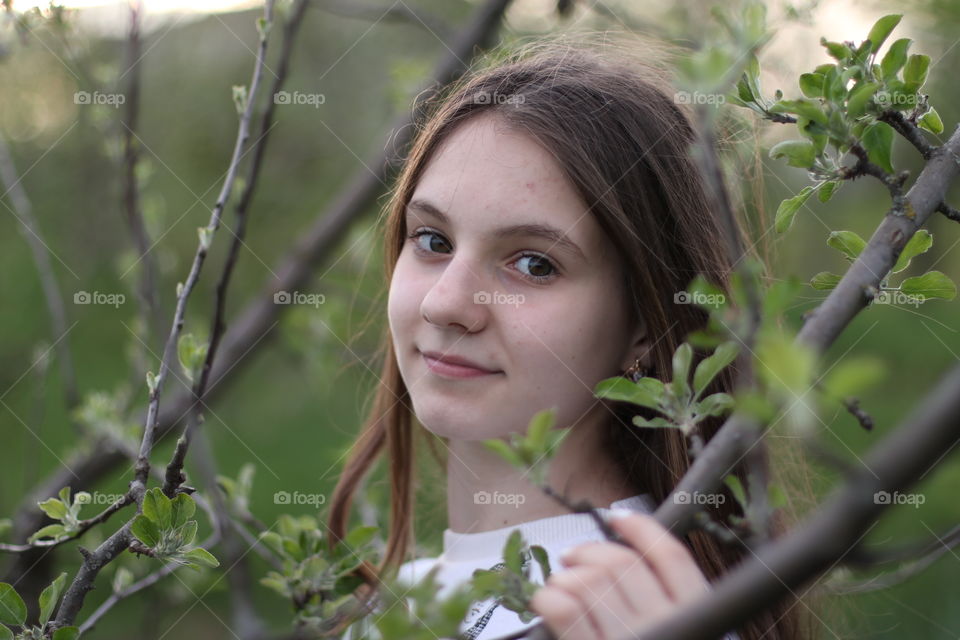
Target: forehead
[486,175]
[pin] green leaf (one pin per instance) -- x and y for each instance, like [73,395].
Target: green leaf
[847,242]
[5,633]
[709,367]
[827,189]
[895,58]
[931,121]
[156,506]
[66,633]
[65,496]
[799,153]
[145,530]
[50,596]
[920,242]
[182,508]
[504,450]
[852,375]
[50,531]
[191,352]
[736,488]
[644,394]
[512,551]
[825,281]
[682,358]
[811,84]
[840,52]
[932,284]
[878,141]
[187,532]
[539,427]
[915,72]
[201,557]
[803,107]
[859,97]
[881,29]
[54,508]
[12,609]
[715,405]
[654,423]
[360,536]
[540,555]
[788,209]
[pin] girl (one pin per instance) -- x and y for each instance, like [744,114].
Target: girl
[538,240]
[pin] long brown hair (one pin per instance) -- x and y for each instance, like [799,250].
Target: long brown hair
[614,126]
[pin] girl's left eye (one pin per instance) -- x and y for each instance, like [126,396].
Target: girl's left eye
[534,262]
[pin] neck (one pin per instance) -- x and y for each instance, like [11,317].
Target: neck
[485,492]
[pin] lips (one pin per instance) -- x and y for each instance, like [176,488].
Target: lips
[457,361]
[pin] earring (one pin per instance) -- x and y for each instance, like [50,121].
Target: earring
[636,371]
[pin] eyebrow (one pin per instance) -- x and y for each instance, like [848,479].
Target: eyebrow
[524,229]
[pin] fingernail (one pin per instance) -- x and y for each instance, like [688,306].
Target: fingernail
[616,514]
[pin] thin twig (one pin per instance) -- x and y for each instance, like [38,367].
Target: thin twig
[119,541]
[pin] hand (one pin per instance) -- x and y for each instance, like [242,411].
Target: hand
[610,591]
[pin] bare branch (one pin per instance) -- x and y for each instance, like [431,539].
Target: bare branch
[147,290]
[119,541]
[908,130]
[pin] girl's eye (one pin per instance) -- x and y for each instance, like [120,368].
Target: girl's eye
[541,269]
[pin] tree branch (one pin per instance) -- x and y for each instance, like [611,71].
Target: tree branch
[825,539]
[259,317]
[119,541]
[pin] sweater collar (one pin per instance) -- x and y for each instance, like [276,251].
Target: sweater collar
[461,547]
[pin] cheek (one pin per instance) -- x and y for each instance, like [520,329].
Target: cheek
[403,304]
[567,347]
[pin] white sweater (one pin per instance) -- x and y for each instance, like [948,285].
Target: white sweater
[465,552]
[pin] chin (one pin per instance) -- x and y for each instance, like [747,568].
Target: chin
[458,426]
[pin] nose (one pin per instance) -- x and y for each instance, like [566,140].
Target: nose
[457,298]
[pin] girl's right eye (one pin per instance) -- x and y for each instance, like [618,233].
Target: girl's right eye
[417,234]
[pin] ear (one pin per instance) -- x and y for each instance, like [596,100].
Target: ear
[641,346]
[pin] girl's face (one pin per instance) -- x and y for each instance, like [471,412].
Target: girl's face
[509,270]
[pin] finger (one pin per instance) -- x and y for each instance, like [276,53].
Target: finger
[639,587]
[669,558]
[600,601]
[563,614]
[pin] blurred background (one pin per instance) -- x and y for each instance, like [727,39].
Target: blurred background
[296,401]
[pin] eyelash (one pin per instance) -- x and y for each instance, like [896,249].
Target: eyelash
[416,233]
